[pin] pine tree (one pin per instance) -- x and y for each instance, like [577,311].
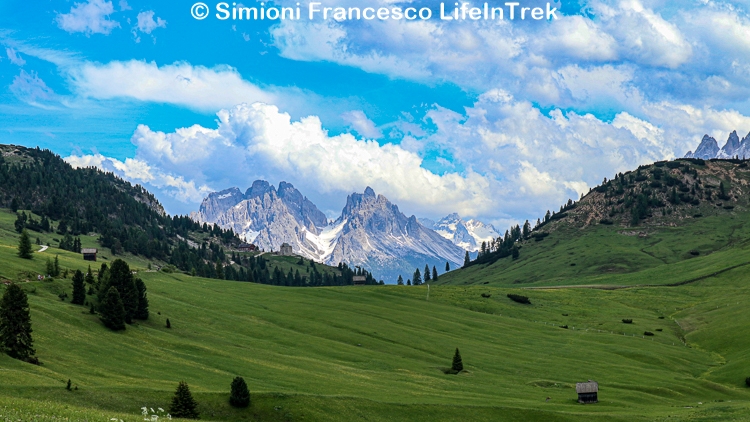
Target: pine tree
[89,278]
[24,245]
[400,281]
[112,311]
[408,282]
[447,266]
[183,404]
[219,270]
[240,395]
[458,364]
[141,311]
[79,290]
[169,324]
[434,273]
[467,260]
[515,252]
[417,278]
[56,267]
[15,325]
[427,277]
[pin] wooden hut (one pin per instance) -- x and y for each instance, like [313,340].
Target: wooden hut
[247,247]
[587,392]
[359,280]
[89,254]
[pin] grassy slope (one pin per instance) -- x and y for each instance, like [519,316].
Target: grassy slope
[377,353]
[613,255]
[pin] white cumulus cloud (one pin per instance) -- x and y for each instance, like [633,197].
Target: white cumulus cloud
[90,17]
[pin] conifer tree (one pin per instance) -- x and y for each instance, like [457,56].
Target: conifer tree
[79,290]
[447,266]
[89,278]
[400,281]
[112,311]
[417,278]
[515,252]
[434,273]
[219,270]
[141,311]
[15,325]
[408,282]
[240,395]
[467,260]
[183,404]
[427,277]
[50,267]
[169,324]
[56,267]
[458,364]
[24,245]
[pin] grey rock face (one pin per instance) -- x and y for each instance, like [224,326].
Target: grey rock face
[707,149]
[370,232]
[730,148]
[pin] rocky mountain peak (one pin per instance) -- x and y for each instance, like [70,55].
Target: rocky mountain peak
[259,188]
[707,149]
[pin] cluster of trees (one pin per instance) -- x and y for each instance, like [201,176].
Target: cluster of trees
[24,221]
[185,406]
[122,297]
[418,279]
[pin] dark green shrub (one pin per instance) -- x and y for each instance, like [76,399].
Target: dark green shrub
[627,320]
[606,222]
[694,253]
[183,404]
[240,395]
[564,326]
[659,329]
[747,381]
[486,295]
[457,365]
[661,317]
[648,333]
[520,299]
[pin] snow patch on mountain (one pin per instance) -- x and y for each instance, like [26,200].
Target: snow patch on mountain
[468,235]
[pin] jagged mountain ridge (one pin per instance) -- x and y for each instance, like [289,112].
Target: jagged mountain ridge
[370,232]
[468,235]
[734,147]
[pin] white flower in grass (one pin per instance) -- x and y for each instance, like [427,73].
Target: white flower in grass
[144,411]
[160,410]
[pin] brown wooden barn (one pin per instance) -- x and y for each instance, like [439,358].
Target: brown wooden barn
[587,392]
[247,247]
[89,254]
[359,280]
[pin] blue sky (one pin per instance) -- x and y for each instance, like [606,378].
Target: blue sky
[499,120]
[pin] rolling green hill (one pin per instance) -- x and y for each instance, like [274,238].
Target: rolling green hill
[629,232]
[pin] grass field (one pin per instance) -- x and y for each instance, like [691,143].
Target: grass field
[378,353]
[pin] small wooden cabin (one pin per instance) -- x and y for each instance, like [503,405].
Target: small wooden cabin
[89,254]
[359,280]
[247,247]
[587,392]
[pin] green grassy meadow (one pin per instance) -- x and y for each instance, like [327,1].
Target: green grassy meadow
[377,353]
